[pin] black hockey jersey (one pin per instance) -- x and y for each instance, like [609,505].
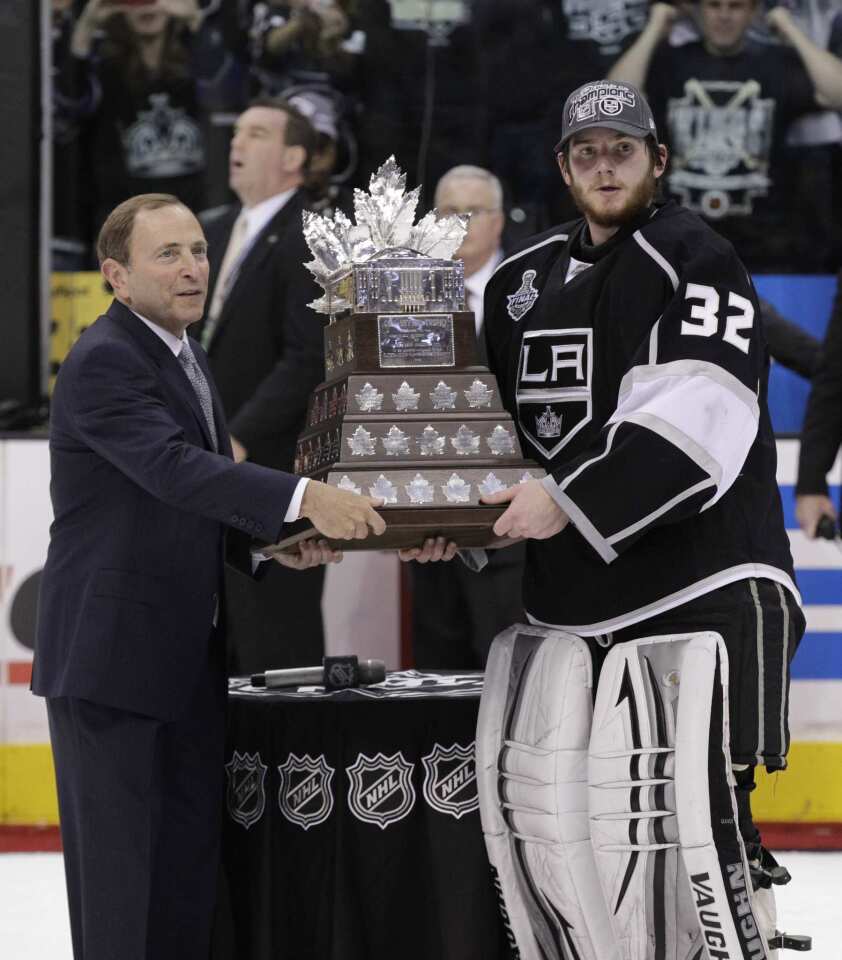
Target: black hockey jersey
[636,372]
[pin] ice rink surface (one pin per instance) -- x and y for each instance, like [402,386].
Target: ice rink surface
[34,926]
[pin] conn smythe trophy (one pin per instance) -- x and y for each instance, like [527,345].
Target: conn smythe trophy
[405,413]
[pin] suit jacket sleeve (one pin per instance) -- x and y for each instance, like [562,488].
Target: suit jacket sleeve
[822,432]
[790,345]
[279,401]
[120,411]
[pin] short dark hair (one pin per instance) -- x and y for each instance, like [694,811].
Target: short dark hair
[298,132]
[116,233]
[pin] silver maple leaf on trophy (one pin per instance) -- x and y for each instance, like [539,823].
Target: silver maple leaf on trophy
[384,236]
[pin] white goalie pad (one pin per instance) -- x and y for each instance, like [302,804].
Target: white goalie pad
[663,816]
[532,737]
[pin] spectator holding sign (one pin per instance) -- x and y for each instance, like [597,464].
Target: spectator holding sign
[725,104]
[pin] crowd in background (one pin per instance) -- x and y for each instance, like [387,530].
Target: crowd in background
[146,91]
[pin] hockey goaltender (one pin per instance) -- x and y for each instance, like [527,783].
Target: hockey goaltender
[619,732]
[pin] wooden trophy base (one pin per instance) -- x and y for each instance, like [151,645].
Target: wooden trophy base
[408,527]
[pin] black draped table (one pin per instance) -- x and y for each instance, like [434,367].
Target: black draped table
[352,829]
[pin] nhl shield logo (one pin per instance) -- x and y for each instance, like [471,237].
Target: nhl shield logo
[381,790]
[305,796]
[522,300]
[246,796]
[450,779]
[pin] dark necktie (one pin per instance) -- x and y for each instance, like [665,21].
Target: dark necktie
[199,383]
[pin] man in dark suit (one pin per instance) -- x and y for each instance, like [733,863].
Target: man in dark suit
[265,350]
[457,611]
[128,653]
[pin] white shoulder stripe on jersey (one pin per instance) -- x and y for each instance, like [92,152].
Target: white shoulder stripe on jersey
[688,368]
[662,262]
[555,238]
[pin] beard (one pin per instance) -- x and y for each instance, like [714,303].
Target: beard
[639,199]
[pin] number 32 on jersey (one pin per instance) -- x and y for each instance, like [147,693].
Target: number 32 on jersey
[704,316]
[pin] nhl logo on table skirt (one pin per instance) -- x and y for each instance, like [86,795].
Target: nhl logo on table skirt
[522,300]
[554,386]
[450,779]
[306,796]
[381,790]
[246,796]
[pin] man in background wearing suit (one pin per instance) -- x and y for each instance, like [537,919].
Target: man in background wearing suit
[128,652]
[264,345]
[457,612]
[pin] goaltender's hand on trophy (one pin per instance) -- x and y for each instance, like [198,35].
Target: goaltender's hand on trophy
[340,514]
[431,551]
[311,553]
[532,512]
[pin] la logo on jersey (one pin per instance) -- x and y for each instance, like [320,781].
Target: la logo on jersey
[523,299]
[305,796]
[554,386]
[450,779]
[246,796]
[381,790]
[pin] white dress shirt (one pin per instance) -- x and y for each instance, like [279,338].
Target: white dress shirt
[261,213]
[475,286]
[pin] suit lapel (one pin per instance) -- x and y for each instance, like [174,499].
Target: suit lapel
[287,218]
[170,369]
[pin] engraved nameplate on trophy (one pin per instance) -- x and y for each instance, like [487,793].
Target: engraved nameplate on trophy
[405,414]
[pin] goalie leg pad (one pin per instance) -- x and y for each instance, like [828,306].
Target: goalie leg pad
[662,806]
[631,795]
[532,736]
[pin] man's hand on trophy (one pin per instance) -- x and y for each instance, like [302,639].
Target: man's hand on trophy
[432,550]
[311,553]
[532,512]
[340,514]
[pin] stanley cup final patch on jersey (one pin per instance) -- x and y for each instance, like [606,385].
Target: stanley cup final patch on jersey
[554,386]
[246,795]
[305,796]
[523,299]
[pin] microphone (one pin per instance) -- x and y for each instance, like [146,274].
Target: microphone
[335,673]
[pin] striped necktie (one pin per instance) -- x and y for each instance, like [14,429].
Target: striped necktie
[200,385]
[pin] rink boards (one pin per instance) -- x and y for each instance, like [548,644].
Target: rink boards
[810,792]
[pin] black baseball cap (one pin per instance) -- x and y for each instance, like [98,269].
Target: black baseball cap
[607,103]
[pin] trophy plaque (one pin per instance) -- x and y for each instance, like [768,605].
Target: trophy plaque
[405,413]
